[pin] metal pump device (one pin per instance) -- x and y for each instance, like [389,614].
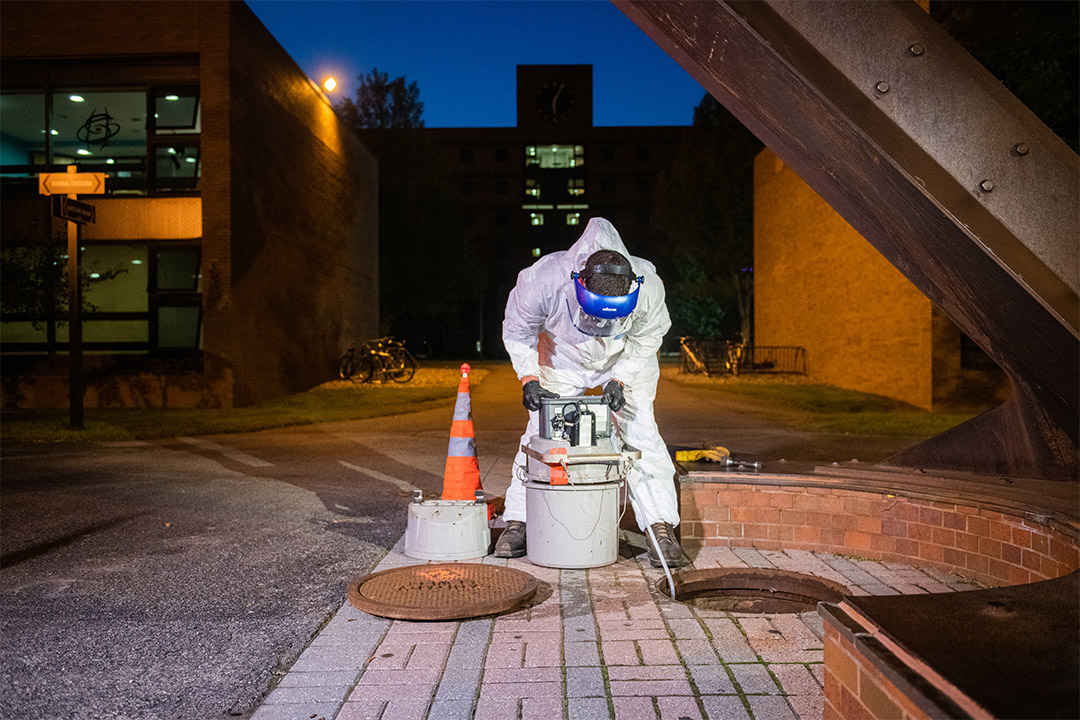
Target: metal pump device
[575,468]
[577,444]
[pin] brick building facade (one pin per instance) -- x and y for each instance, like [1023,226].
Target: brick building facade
[531,189]
[820,285]
[241,216]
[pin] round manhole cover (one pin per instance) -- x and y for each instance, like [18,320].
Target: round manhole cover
[752,590]
[447,591]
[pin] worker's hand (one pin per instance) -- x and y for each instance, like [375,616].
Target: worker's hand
[532,394]
[613,395]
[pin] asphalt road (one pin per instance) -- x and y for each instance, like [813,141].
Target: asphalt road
[179,579]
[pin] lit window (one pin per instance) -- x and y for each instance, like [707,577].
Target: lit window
[536,218]
[536,252]
[106,122]
[177,111]
[555,156]
[575,186]
[532,189]
[573,218]
[177,168]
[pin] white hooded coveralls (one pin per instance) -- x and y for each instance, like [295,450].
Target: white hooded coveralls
[542,340]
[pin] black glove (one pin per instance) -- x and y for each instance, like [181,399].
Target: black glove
[532,394]
[613,395]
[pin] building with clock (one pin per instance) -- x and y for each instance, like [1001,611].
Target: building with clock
[529,190]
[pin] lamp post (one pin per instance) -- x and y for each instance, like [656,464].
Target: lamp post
[329,84]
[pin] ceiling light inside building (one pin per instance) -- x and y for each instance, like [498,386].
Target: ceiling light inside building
[172,97]
[82,151]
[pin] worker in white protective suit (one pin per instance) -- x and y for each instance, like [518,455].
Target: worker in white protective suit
[594,316]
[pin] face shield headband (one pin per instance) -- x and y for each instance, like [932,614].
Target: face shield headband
[606,306]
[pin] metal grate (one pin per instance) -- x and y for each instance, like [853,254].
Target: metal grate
[716,357]
[446,591]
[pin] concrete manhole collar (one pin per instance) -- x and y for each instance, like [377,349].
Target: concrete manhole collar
[445,591]
[752,590]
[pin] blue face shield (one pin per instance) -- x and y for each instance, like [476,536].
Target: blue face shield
[603,315]
[605,306]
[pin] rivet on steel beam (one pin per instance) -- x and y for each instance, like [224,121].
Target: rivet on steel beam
[1020,149]
[986,185]
[882,87]
[916,49]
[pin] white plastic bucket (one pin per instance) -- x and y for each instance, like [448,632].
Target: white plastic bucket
[572,526]
[447,530]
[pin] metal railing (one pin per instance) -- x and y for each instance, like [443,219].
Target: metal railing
[715,357]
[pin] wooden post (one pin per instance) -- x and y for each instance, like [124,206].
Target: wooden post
[75,373]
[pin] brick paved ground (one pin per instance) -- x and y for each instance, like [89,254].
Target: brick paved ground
[599,644]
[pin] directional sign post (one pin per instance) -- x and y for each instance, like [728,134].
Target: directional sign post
[71,184]
[73,210]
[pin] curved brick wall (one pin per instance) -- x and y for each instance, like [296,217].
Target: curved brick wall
[995,546]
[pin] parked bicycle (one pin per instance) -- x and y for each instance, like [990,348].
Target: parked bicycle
[378,360]
[733,356]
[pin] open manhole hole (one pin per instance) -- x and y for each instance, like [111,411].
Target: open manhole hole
[446,591]
[753,590]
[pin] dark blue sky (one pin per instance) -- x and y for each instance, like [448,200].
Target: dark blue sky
[463,54]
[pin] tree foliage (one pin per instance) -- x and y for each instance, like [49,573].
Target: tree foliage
[704,205]
[428,277]
[34,286]
[383,104]
[1033,48]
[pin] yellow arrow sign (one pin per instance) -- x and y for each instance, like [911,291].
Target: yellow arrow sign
[71,183]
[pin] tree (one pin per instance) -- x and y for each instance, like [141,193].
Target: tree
[34,285]
[427,268]
[383,104]
[1032,47]
[704,204]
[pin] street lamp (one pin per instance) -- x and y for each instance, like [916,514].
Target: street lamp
[329,84]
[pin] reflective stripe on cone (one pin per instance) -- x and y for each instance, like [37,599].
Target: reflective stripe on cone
[461,479]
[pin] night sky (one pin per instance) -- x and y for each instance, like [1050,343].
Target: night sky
[463,54]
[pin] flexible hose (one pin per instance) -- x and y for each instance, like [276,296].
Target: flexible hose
[656,544]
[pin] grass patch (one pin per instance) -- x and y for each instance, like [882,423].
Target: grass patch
[330,402]
[799,402]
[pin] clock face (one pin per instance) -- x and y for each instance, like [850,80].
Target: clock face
[554,101]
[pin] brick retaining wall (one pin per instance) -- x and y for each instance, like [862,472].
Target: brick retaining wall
[995,546]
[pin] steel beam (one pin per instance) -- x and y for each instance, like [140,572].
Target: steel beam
[927,156]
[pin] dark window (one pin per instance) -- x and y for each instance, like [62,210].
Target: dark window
[607,153]
[642,184]
[466,154]
[175,292]
[502,219]
[607,186]
[644,152]
[467,187]
[502,186]
[502,154]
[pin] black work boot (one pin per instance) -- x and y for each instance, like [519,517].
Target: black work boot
[669,546]
[511,543]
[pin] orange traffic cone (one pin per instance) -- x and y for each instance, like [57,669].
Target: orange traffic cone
[461,480]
